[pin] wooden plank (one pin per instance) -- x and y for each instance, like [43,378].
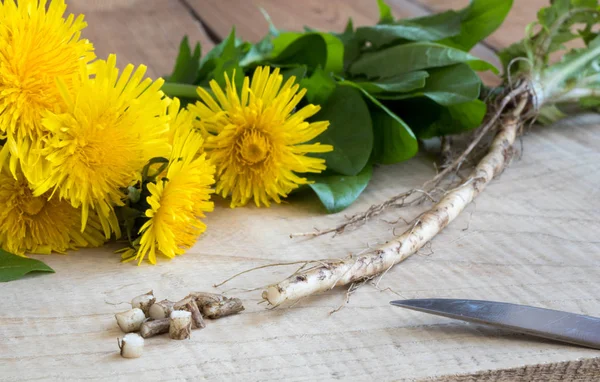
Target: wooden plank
[330,15]
[140,31]
[531,238]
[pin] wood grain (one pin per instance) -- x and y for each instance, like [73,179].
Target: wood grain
[331,15]
[531,238]
[140,31]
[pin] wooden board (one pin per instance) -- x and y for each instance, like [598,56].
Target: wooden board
[530,238]
[140,31]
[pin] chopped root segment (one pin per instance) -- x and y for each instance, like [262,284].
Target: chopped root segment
[180,325]
[131,345]
[144,302]
[161,309]
[131,320]
[346,272]
[152,328]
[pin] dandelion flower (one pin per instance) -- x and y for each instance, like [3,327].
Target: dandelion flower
[37,45]
[111,127]
[30,224]
[177,200]
[181,120]
[256,141]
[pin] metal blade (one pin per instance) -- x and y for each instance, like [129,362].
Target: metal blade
[553,324]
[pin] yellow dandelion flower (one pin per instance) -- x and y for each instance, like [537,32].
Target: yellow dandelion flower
[257,142]
[37,45]
[178,200]
[181,120]
[30,224]
[110,129]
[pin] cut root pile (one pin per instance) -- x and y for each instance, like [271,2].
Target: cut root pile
[151,318]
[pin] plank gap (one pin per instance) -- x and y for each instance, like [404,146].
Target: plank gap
[210,32]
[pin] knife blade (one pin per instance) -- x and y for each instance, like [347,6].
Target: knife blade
[547,323]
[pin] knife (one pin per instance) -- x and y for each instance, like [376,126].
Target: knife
[552,324]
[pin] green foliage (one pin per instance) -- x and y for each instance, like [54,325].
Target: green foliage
[576,76]
[380,86]
[350,131]
[337,192]
[431,28]
[413,56]
[187,64]
[13,267]
[478,21]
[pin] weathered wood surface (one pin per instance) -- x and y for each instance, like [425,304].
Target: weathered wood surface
[141,31]
[531,238]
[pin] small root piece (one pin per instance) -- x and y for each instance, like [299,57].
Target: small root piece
[161,309]
[144,302]
[189,304]
[130,320]
[152,328]
[132,346]
[222,308]
[180,325]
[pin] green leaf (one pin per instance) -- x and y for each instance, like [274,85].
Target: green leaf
[258,52]
[406,58]
[299,72]
[337,192]
[479,20]
[429,28]
[394,140]
[293,48]
[223,58]
[448,86]
[187,64]
[350,131]
[319,86]
[456,119]
[399,84]
[13,267]
[385,12]
[310,49]
[351,43]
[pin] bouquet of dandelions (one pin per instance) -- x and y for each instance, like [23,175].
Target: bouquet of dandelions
[89,154]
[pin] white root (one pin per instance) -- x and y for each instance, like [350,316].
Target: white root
[180,325]
[144,302]
[337,273]
[189,304]
[131,345]
[153,328]
[131,320]
[161,309]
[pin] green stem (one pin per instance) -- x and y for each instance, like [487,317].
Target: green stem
[180,90]
[572,68]
[574,95]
